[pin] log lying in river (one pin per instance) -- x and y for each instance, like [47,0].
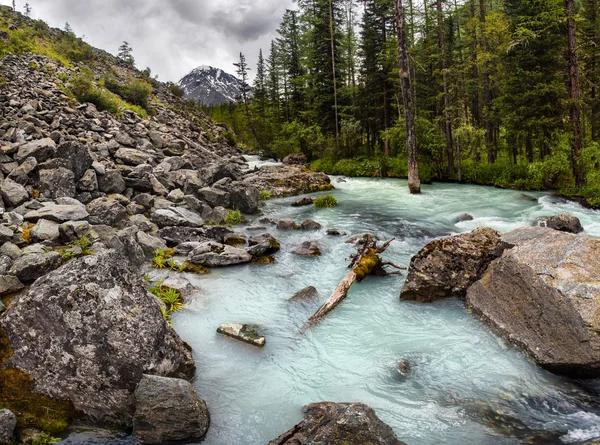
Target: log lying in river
[365,262]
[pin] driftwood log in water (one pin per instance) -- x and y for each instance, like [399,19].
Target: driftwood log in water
[365,262]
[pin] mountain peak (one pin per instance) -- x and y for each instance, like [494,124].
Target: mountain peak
[211,86]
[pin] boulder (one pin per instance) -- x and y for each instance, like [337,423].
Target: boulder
[308,248]
[78,156]
[288,180]
[111,182]
[543,295]
[88,332]
[310,224]
[244,198]
[176,235]
[300,202]
[88,181]
[264,244]
[13,193]
[445,268]
[248,333]
[41,150]
[181,284]
[215,197]
[563,222]
[58,213]
[213,254]
[149,243]
[329,423]
[335,232]
[45,230]
[168,410]
[176,216]
[133,157]
[464,217]
[8,423]
[106,211]
[30,267]
[23,170]
[9,285]
[295,159]
[287,224]
[6,234]
[73,230]
[57,183]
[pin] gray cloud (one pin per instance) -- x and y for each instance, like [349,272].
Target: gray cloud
[170,36]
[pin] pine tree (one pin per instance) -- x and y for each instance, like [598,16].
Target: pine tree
[260,84]
[14,5]
[126,53]
[68,29]
[27,9]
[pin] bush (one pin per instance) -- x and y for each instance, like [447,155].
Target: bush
[84,91]
[234,217]
[325,201]
[176,90]
[264,195]
[136,93]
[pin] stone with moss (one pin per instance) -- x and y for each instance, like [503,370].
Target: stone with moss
[248,333]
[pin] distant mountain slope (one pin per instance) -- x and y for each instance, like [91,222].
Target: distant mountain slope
[211,86]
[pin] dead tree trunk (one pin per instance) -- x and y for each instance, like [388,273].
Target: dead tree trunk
[365,262]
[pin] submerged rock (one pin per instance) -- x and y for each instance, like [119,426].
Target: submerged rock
[307,294]
[335,232]
[168,410]
[563,222]
[300,202]
[310,224]
[544,296]
[248,333]
[464,217]
[86,334]
[329,423]
[446,267]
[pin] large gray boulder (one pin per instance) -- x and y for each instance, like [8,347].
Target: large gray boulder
[88,332]
[45,230]
[329,423]
[213,254]
[106,211]
[445,268]
[8,423]
[13,193]
[9,284]
[215,197]
[111,182]
[32,266]
[563,222]
[544,296]
[168,410]
[41,150]
[57,183]
[244,198]
[77,155]
[58,213]
[176,216]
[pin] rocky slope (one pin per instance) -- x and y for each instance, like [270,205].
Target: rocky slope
[211,86]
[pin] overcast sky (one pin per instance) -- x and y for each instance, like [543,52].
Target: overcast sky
[170,36]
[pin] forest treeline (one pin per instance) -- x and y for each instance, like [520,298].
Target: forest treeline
[492,82]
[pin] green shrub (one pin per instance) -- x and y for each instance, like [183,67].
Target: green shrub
[84,91]
[136,92]
[325,201]
[176,90]
[169,296]
[234,217]
[264,195]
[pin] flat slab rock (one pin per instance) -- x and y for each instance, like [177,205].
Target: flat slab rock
[446,267]
[544,296]
[248,333]
[329,423]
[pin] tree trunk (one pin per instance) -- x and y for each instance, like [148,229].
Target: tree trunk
[447,122]
[487,98]
[414,184]
[575,108]
[335,104]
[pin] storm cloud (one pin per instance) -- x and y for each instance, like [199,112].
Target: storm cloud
[170,36]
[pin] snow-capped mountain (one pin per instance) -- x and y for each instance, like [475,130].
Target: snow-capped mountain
[211,86]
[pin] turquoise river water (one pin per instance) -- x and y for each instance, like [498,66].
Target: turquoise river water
[466,386]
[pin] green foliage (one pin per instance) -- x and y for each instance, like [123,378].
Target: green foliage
[264,195]
[296,136]
[234,217]
[169,296]
[161,258]
[136,92]
[45,439]
[70,252]
[325,201]
[84,91]
[176,90]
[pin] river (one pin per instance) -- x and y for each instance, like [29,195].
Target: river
[466,385]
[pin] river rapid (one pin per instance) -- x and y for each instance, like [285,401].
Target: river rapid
[466,384]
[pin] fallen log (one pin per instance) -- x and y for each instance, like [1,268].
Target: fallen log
[364,263]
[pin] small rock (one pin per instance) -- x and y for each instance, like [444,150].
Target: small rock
[335,232]
[310,224]
[306,294]
[45,230]
[181,284]
[264,244]
[8,423]
[9,285]
[287,224]
[168,410]
[464,217]
[13,193]
[308,248]
[213,254]
[248,333]
[10,250]
[303,202]
[30,267]
[176,195]
[106,211]
[295,159]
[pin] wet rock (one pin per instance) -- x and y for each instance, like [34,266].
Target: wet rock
[213,254]
[335,232]
[307,294]
[13,193]
[78,157]
[41,150]
[183,285]
[404,368]
[308,248]
[168,410]
[360,238]
[288,180]
[295,159]
[264,244]
[329,423]
[101,332]
[235,239]
[57,183]
[8,423]
[287,224]
[106,211]
[544,296]
[445,268]
[9,285]
[248,333]
[310,224]
[300,202]
[563,222]
[58,213]
[464,217]
[45,230]
[33,266]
